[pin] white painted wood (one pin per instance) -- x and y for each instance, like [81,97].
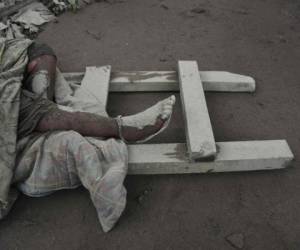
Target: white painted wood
[158,81]
[231,157]
[227,82]
[95,84]
[199,134]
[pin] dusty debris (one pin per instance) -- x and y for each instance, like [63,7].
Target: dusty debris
[16,30]
[282,39]
[198,10]
[236,240]
[193,12]
[95,35]
[60,6]
[10,30]
[164,6]
[29,17]
[35,14]
[8,3]
[3,26]
[26,21]
[142,197]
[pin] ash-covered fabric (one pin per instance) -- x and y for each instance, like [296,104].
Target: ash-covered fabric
[44,163]
[13,60]
[62,160]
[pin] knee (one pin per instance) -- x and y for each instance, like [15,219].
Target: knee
[40,83]
[39,49]
[39,77]
[76,145]
[71,137]
[65,140]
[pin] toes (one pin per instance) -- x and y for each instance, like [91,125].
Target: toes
[167,109]
[164,116]
[166,113]
[172,99]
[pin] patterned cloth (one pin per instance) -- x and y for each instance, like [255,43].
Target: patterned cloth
[13,60]
[47,162]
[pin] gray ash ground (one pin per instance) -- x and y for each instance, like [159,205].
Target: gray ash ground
[257,38]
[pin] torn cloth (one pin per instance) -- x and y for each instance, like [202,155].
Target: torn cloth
[57,160]
[27,21]
[35,14]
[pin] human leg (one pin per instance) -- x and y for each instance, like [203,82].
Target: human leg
[41,73]
[130,128]
[64,160]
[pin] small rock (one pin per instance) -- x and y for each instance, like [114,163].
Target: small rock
[141,198]
[163,59]
[282,39]
[198,10]
[95,35]
[164,6]
[236,240]
[261,104]
[187,14]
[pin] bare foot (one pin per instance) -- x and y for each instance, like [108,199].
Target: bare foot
[145,125]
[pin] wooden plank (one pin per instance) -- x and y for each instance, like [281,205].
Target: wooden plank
[95,84]
[158,81]
[199,134]
[231,157]
[227,82]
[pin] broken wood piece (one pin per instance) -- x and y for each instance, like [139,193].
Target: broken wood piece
[95,84]
[232,156]
[199,134]
[158,81]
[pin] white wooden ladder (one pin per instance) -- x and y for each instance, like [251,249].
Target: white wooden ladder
[200,154]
